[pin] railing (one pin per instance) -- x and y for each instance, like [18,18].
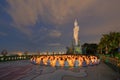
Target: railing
[13,58]
[17,57]
[112,62]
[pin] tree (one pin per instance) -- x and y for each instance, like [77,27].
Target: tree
[90,48]
[110,40]
[4,52]
[26,52]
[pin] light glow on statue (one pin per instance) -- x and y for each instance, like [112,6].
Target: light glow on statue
[76,32]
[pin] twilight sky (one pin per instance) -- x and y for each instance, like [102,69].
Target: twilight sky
[47,25]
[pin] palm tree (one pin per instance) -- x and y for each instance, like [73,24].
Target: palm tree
[110,40]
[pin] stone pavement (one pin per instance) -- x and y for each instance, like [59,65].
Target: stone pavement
[24,70]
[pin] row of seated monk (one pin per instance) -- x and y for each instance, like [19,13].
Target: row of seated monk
[66,60]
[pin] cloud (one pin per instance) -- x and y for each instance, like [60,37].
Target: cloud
[100,29]
[107,9]
[26,13]
[93,34]
[55,33]
[102,18]
[57,16]
[23,14]
[3,34]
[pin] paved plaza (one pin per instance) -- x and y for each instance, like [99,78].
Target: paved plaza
[24,70]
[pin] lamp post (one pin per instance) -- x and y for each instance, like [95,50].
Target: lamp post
[101,50]
[106,49]
[119,48]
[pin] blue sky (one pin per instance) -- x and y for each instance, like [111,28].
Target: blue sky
[47,25]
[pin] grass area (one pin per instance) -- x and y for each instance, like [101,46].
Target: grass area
[112,61]
[117,56]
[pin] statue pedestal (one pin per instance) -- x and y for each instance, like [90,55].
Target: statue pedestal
[77,50]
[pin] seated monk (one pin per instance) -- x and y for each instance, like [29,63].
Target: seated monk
[76,63]
[84,64]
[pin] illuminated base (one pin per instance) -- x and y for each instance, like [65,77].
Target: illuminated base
[77,50]
[65,60]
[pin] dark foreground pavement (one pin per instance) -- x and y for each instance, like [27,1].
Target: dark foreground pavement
[24,70]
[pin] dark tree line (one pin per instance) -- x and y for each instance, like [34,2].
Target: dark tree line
[109,43]
[89,48]
[4,52]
